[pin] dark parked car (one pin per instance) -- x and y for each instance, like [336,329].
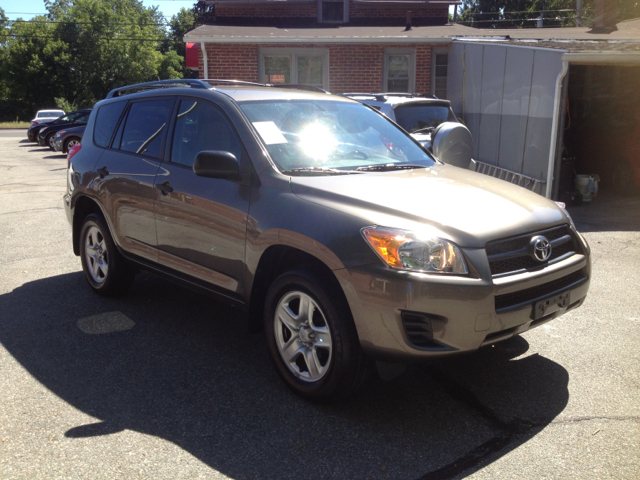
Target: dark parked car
[419,115]
[46,135]
[32,133]
[68,138]
[327,224]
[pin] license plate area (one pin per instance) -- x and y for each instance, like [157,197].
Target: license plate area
[550,305]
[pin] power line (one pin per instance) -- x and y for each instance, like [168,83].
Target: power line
[18,36]
[90,23]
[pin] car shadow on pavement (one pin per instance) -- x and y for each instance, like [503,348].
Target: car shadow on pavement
[171,363]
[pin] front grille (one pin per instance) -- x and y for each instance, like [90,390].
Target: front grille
[511,255]
[522,298]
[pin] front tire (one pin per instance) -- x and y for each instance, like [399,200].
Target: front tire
[70,142]
[312,339]
[107,272]
[49,141]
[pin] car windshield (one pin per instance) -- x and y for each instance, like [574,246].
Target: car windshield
[71,116]
[414,118]
[50,114]
[325,137]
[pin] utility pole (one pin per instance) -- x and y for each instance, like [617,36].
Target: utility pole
[540,22]
[578,13]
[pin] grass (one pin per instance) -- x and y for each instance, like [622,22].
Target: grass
[15,124]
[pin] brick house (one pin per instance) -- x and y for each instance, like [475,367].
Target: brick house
[338,45]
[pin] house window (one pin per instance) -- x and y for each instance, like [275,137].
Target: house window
[303,66]
[399,70]
[440,62]
[333,11]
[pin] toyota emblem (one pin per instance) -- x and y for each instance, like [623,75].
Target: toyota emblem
[540,248]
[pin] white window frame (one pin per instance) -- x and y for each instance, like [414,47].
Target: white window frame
[437,51]
[293,53]
[345,13]
[412,66]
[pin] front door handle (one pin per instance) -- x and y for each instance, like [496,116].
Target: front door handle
[164,187]
[103,172]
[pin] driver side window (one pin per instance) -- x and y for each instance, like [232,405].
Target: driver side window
[201,126]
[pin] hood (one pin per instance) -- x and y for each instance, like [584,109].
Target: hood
[467,207]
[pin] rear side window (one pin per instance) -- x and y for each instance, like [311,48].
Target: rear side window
[106,122]
[145,127]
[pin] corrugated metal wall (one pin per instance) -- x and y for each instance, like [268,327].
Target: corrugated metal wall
[505,95]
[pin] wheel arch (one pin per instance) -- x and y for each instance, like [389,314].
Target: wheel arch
[83,206]
[276,260]
[65,146]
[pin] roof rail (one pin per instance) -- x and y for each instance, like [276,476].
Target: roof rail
[214,81]
[202,83]
[191,82]
[381,97]
[309,88]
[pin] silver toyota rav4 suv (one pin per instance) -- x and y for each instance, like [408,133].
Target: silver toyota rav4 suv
[334,230]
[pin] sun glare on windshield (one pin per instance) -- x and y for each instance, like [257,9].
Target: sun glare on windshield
[317,141]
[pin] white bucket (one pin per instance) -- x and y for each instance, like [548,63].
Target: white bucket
[587,185]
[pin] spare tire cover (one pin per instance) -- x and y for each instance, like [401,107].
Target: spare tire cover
[452,144]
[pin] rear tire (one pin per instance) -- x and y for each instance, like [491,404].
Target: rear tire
[107,272]
[312,339]
[49,141]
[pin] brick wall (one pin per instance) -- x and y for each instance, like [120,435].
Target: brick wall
[377,10]
[280,10]
[310,10]
[352,67]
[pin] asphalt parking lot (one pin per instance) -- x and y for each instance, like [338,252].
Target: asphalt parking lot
[165,383]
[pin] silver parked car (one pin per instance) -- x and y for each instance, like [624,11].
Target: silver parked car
[334,230]
[46,116]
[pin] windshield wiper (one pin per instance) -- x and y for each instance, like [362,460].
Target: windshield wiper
[389,167]
[318,170]
[423,130]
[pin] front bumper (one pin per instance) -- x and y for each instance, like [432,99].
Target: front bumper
[58,144]
[459,314]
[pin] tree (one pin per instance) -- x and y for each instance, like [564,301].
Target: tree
[111,43]
[82,49]
[524,13]
[34,64]
[181,23]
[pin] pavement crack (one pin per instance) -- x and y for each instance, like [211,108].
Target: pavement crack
[471,459]
[508,430]
[590,418]
[457,391]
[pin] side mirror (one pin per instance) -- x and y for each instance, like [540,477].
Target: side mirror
[216,164]
[452,144]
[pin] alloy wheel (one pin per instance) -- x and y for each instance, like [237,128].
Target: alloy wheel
[96,255]
[302,336]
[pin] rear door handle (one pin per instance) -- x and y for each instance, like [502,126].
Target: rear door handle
[103,172]
[164,187]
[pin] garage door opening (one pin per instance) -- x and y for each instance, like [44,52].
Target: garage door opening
[601,131]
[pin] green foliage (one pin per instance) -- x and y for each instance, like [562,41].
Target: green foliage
[181,23]
[83,48]
[523,13]
[64,104]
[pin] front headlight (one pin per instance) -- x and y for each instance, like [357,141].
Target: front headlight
[59,134]
[418,251]
[563,206]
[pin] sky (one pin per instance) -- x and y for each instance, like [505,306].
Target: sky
[27,9]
